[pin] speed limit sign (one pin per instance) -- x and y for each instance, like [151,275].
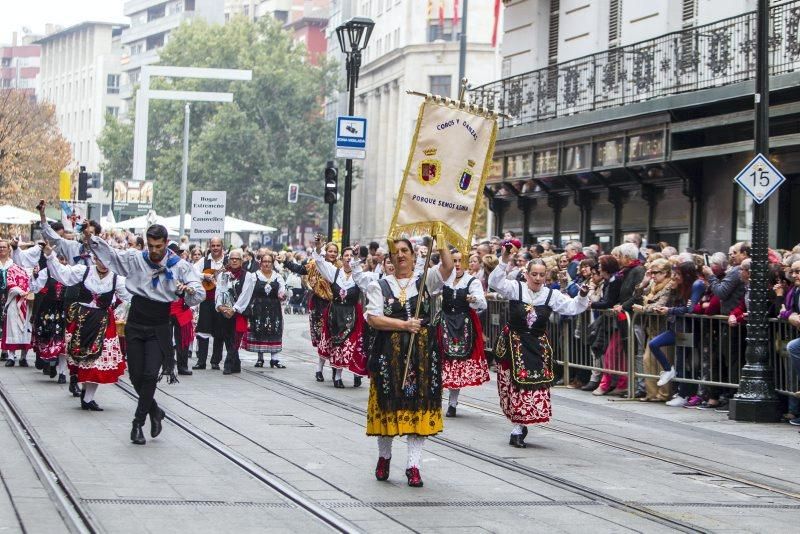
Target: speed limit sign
[759,178]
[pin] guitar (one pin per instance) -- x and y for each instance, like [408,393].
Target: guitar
[209,285]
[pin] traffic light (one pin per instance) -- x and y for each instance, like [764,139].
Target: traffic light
[294,191]
[331,182]
[83,184]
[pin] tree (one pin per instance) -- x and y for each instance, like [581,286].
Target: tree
[272,133]
[32,150]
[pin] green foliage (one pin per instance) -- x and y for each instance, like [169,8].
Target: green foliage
[272,134]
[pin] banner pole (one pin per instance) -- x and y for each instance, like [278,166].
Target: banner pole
[419,306]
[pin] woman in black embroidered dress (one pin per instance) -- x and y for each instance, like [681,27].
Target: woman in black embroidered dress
[410,407]
[260,301]
[524,355]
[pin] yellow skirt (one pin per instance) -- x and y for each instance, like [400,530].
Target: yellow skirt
[401,422]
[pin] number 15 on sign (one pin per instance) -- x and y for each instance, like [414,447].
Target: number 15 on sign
[759,178]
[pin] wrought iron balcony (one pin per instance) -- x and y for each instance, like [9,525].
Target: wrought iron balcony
[712,55]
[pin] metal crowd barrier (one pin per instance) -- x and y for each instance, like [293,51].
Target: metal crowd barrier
[708,352]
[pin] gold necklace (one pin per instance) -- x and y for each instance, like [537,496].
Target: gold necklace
[402,297]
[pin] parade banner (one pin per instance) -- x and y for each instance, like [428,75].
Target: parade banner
[448,163]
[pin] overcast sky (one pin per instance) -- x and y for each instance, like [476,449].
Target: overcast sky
[34,14]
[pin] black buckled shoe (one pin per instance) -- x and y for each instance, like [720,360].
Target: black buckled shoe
[356,381]
[199,366]
[155,423]
[215,367]
[23,362]
[137,436]
[184,371]
[9,363]
[91,406]
[319,377]
[62,379]
[338,384]
[451,411]
[517,440]
[259,363]
[276,364]
[52,371]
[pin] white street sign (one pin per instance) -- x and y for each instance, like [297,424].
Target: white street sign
[351,153]
[759,178]
[208,214]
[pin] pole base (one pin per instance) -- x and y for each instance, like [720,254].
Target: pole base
[754,410]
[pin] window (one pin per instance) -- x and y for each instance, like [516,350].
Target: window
[156,12]
[246,11]
[6,62]
[112,84]
[155,41]
[442,33]
[441,85]
[113,111]
[189,5]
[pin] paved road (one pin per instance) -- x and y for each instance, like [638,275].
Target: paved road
[273,450]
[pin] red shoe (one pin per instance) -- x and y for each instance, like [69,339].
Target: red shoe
[414,478]
[382,470]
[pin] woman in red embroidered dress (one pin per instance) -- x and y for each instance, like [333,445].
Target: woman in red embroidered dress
[343,322]
[459,332]
[17,321]
[93,349]
[524,355]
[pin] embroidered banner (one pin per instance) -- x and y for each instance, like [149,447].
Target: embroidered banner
[450,156]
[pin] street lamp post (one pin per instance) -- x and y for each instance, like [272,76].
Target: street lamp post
[756,400]
[353,38]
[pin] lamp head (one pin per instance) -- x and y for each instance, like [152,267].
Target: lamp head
[354,34]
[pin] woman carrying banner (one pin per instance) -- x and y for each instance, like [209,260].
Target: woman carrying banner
[524,368]
[319,302]
[93,349]
[260,301]
[343,322]
[405,398]
[459,332]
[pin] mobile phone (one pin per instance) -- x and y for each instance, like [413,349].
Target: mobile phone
[705,259]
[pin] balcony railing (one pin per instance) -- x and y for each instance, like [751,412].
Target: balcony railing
[712,55]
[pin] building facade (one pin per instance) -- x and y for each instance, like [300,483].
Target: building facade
[151,22]
[636,116]
[80,76]
[19,66]
[409,50]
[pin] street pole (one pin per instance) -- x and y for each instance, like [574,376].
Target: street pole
[462,49]
[330,222]
[755,400]
[353,64]
[185,171]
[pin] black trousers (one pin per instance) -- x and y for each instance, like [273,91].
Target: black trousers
[145,355]
[231,339]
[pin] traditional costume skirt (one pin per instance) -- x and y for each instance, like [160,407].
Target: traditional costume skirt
[93,349]
[316,308]
[343,334]
[522,403]
[49,330]
[463,339]
[414,407]
[265,332]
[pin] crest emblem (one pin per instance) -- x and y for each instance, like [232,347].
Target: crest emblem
[430,170]
[466,177]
